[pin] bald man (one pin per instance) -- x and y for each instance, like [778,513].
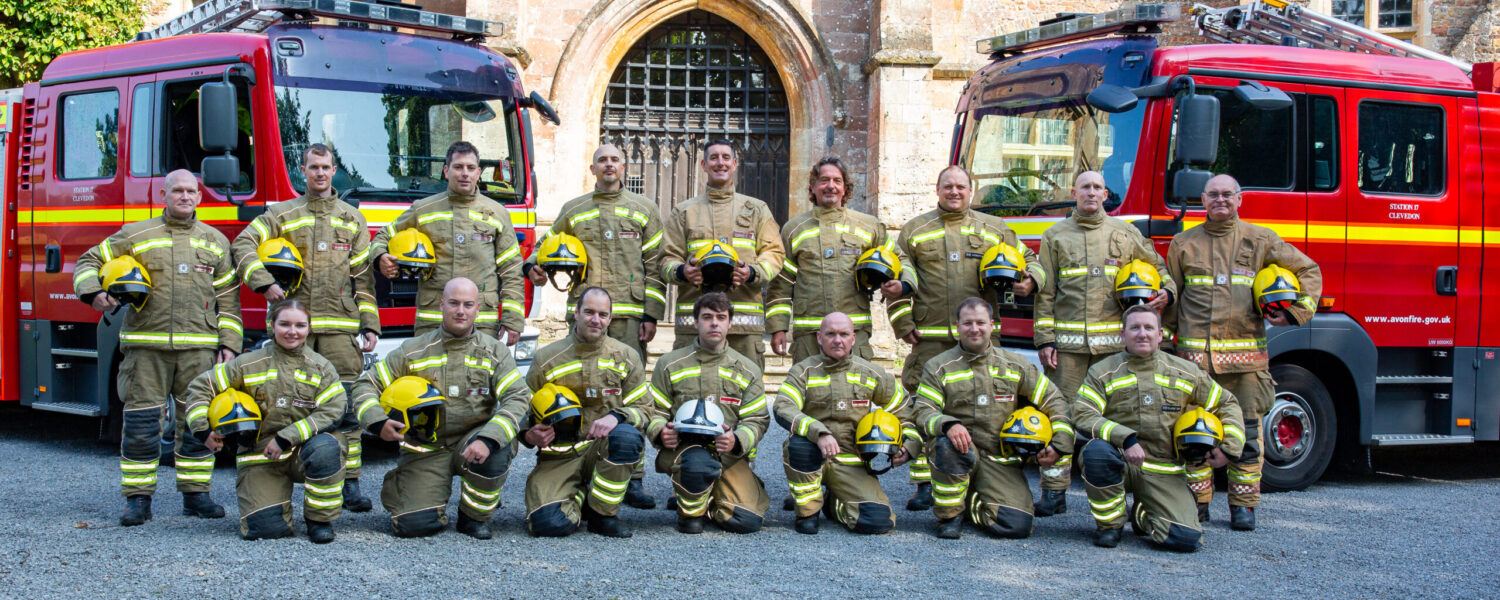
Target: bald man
[484,405]
[189,321]
[821,403]
[621,232]
[1077,318]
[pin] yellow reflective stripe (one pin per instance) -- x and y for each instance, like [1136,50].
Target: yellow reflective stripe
[1073,272]
[513,305]
[749,307]
[1042,323]
[105,251]
[296,224]
[789,265]
[857,379]
[1060,426]
[510,378]
[680,375]
[656,295]
[259,378]
[636,393]
[749,409]
[782,309]
[1106,429]
[1161,468]
[368,307]
[428,363]
[85,274]
[332,392]
[1115,384]
[383,371]
[922,237]
[435,216]
[813,382]
[149,244]
[510,430]
[479,363]
[1162,380]
[226,322]
[957,376]
[206,245]
[659,398]
[1231,430]
[930,393]
[1185,386]
[1011,375]
[221,376]
[1093,396]
[583,216]
[610,365]
[332,322]
[1039,391]
[1199,280]
[307,378]
[355,260]
[1214,394]
[429,315]
[791,392]
[261,229]
[512,252]
[803,236]
[227,279]
[896,400]
[201,411]
[900,312]
[1241,280]
[652,243]
[564,369]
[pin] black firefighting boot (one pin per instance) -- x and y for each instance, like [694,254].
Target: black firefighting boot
[1106,538]
[353,500]
[1053,502]
[137,511]
[789,503]
[808,524]
[198,504]
[636,496]
[690,524]
[672,503]
[1202,513]
[319,532]
[950,529]
[479,530]
[606,526]
[1242,518]
[922,499]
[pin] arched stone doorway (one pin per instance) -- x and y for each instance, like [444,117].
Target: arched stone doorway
[693,77]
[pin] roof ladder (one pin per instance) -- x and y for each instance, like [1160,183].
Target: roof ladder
[1281,23]
[254,16]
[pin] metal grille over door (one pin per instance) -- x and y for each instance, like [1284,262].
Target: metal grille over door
[692,78]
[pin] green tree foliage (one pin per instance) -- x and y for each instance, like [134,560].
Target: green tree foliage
[33,32]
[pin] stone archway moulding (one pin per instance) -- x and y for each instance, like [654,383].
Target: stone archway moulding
[811,78]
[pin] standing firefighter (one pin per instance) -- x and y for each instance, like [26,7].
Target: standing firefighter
[472,238]
[1077,320]
[454,400]
[967,402]
[744,228]
[327,269]
[1133,405]
[943,252]
[176,273]
[709,411]
[1220,324]
[272,407]
[832,406]
[590,406]
[824,247]
[621,234]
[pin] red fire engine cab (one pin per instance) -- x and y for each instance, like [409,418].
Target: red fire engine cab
[1373,156]
[235,90]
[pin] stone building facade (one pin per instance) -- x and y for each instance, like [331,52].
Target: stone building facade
[871,81]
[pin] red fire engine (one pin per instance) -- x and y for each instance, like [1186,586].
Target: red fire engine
[87,148]
[1375,162]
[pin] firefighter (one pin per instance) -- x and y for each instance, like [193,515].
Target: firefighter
[582,474]
[622,232]
[1219,327]
[818,278]
[714,480]
[744,223]
[1077,320]
[189,321]
[821,404]
[1129,403]
[472,238]
[484,403]
[941,252]
[964,396]
[336,282]
[298,397]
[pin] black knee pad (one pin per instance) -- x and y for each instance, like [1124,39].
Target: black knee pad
[550,521]
[321,456]
[698,470]
[1010,523]
[1251,453]
[494,466]
[949,460]
[1103,465]
[350,420]
[803,455]
[140,434]
[785,424]
[874,518]
[1182,539]
[418,524]
[626,444]
[266,524]
[742,521]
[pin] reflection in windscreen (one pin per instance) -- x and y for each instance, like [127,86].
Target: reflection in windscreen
[389,141]
[1024,161]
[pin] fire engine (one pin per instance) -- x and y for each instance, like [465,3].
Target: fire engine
[235,90]
[1372,155]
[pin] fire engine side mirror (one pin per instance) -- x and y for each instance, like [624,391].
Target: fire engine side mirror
[221,171]
[1112,98]
[1197,129]
[1260,96]
[1188,183]
[535,100]
[218,117]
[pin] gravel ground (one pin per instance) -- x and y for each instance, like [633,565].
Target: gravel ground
[1423,526]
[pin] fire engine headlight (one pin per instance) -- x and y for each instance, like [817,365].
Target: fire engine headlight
[524,349]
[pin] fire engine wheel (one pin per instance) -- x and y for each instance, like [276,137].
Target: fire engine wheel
[1299,432]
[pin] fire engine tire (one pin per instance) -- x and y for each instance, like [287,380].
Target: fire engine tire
[1300,431]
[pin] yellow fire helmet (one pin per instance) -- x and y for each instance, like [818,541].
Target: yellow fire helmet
[1001,267]
[414,253]
[558,407]
[875,267]
[282,260]
[1136,283]
[563,253]
[718,261]
[1276,289]
[878,435]
[1196,433]
[126,279]
[233,411]
[1025,433]
[418,404]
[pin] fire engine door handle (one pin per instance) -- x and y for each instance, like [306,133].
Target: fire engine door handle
[54,258]
[1446,281]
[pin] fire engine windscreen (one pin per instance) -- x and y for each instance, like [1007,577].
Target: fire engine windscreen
[394,141]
